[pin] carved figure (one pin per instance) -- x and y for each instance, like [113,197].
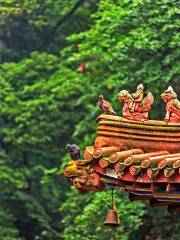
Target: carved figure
[74,151]
[105,106]
[172,105]
[135,106]
[137,98]
[80,173]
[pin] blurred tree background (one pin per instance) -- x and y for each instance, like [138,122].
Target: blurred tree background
[56,57]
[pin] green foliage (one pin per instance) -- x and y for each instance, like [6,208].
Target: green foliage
[26,26]
[46,103]
[8,231]
[140,44]
[89,218]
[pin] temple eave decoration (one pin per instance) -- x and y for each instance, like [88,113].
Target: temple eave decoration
[133,153]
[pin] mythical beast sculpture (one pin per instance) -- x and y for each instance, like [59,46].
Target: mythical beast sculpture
[172,105]
[136,106]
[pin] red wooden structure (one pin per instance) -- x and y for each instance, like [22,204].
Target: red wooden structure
[133,153]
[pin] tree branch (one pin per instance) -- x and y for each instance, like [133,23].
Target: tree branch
[61,21]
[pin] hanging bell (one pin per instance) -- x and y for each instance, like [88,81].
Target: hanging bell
[112,218]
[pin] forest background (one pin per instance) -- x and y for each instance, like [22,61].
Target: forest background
[47,102]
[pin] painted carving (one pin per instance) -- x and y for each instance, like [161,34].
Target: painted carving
[105,106]
[172,105]
[136,106]
[141,156]
[82,175]
[137,98]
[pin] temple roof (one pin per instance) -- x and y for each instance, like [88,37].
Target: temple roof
[146,173]
[131,152]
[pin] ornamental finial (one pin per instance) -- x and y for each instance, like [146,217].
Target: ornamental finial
[140,87]
[170,89]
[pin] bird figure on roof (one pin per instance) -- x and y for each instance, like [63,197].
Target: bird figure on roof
[74,151]
[105,106]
